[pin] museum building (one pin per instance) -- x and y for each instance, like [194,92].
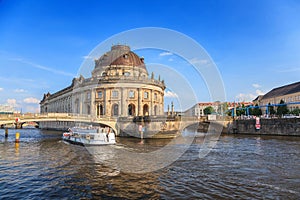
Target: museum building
[120,85]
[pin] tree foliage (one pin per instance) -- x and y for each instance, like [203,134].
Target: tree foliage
[208,110]
[296,111]
[271,109]
[282,110]
[256,111]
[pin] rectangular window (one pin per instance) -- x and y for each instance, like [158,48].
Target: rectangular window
[115,94]
[131,94]
[100,94]
[88,95]
[146,95]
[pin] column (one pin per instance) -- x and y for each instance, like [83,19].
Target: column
[140,109]
[93,103]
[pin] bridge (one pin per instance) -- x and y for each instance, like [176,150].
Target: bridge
[158,123]
[59,117]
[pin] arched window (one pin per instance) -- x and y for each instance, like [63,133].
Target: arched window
[145,110]
[100,110]
[77,109]
[115,110]
[131,109]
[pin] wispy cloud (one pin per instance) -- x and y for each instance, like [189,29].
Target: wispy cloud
[288,69]
[55,71]
[31,100]
[255,85]
[245,97]
[259,92]
[249,96]
[1,89]
[12,102]
[170,94]
[166,53]
[197,61]
[32,109]
[88,57]
[20,90]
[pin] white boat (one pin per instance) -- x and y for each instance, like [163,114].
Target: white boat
[90,135]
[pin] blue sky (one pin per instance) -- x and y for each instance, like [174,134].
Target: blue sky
[255,44]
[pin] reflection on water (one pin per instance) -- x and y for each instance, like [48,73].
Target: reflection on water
[41,166]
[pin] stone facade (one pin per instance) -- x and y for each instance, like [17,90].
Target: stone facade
[283,126]
[119,86]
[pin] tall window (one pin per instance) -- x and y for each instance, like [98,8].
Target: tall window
[88,109]
[155,96]
[100,94]
[115,94]
[131,94]
[131,109]
[146,95]
[115,110]
[145,110]
[88,95]
[155,110]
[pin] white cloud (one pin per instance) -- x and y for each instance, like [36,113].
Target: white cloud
[245,97]
[1,89]
[31,100]
[12,102]
[259,92]
[255,85]
[171,94]
[19,90]
[248,97]
[166,53]
[170,59]
[197,61]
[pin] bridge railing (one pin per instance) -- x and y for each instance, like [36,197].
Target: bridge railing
[54,115]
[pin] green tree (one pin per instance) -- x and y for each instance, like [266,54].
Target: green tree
[256,111]
[271,109]
[241,110]
[296,111]
[282,110]
[208,110]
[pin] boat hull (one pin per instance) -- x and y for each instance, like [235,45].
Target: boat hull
[81,143]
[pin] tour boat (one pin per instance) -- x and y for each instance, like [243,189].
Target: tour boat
[90,136]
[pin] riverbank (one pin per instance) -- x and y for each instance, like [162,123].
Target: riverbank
[277,126]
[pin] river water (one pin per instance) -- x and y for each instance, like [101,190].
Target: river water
[41,166]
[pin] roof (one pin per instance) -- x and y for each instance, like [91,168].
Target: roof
[283,90]
[120,55]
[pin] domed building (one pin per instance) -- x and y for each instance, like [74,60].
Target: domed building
[119,85]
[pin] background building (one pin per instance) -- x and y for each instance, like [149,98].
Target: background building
[6,109]
[218,108]
[290,94]
[120,85]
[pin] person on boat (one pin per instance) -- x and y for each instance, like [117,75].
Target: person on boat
[108,131]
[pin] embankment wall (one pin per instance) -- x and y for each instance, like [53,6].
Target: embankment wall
[279,126]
